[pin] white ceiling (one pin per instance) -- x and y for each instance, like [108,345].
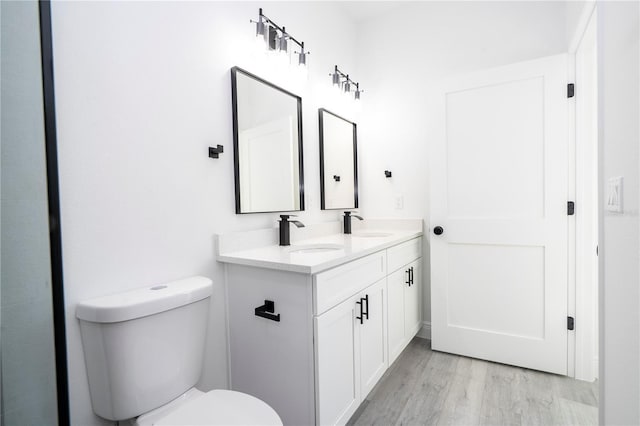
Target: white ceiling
[364,10]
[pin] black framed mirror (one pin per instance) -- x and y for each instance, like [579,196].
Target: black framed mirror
[338,162]
[267,145]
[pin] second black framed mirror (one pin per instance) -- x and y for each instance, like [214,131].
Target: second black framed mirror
[338,161]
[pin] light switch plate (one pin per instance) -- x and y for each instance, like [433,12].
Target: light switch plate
[613,201]
[399,201]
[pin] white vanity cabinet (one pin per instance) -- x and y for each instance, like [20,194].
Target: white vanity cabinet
[330,343]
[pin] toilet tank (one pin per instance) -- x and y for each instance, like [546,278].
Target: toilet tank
[145,347]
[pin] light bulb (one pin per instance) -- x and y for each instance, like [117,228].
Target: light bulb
[260,43]
[282,43]
[303,71]
[356,94]
[272,38]
[260,28]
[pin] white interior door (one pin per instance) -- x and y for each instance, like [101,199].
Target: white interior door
[499,166]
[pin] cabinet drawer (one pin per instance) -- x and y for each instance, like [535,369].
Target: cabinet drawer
[335,285]
[400,255]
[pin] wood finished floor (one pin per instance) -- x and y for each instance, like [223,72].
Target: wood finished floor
[424,387]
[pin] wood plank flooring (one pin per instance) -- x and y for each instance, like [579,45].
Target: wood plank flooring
[433,388]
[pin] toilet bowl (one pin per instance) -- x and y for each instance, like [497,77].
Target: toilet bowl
[144,351]
[216,407]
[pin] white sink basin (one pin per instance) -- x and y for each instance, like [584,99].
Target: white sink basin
[371,234]
[314,248]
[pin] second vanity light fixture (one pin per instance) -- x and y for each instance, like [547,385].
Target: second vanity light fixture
[277,38]
[345,83]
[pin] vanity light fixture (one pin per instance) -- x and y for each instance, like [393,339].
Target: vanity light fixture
[277,38]
[345,83]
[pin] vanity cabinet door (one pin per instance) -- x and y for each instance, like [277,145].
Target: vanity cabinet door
[337,363]
[412,294]
[396,283]
[351,342]
[403,312]
[373,344]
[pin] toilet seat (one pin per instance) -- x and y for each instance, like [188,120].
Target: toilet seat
[216,407]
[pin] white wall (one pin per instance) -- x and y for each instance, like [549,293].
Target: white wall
[619,99]
[142,89]
[408,49]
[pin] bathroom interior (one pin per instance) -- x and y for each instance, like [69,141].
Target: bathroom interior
[438,222]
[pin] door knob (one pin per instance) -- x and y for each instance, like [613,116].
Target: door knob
[438,230]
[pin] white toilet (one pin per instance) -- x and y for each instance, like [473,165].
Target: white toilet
[144,351]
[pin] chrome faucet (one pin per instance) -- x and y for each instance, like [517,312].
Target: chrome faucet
[347,221]
[285,234]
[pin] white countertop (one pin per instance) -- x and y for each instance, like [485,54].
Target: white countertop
[353,247]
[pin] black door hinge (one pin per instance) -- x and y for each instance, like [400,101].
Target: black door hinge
[571,208]
[571,90]
[571,323]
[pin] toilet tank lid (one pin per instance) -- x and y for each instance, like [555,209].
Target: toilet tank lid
[144,301]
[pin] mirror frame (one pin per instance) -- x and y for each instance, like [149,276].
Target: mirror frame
[236,159]
[321,111]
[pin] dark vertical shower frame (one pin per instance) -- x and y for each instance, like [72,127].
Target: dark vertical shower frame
[53,192]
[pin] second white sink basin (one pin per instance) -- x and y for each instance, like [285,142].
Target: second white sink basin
[371,234]
[314,248]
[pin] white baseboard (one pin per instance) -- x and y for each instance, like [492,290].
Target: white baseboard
[425,330]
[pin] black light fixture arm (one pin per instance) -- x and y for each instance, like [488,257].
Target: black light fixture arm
[290,37]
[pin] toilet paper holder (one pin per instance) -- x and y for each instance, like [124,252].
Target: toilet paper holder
[267,311]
